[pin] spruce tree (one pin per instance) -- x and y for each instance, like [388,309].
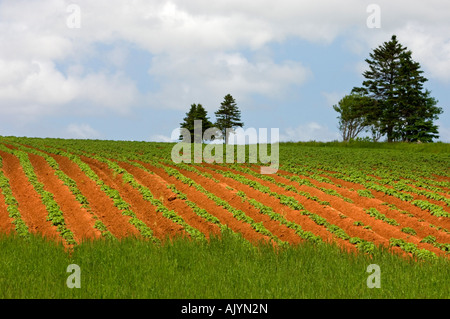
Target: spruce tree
[228,117]
[196,112]
[403,110]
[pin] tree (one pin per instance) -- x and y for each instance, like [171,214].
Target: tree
[352,111]
[417,109]
[228,117]
[403,110]
[196,112]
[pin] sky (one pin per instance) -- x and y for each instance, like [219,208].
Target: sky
[129,70]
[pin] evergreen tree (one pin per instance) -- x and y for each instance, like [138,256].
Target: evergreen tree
[196,112]
[417,109]
[202,115]
[402,111]
[228,117]
[382,84]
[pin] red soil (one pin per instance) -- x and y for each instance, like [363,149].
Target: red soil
[402,205]
[81,221]
[332,215]
[158,187]
[77,218]
[144,210]
[381,232]
[282,232]
[102,206]
[290,214]
[202,201]
[6,225]
[31,208]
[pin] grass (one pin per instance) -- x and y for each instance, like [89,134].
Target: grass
[437,147]
[226,268]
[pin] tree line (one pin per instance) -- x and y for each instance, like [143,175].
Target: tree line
[392,101]
[228,117]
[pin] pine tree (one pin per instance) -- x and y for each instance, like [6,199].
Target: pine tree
[228,117]
[417,109]
[382,84]
[196,112]
[402,110]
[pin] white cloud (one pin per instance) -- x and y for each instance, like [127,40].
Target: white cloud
[312,131]
[423,27]
[196,47]
[431,47]
[83,131]
[174,135]
[185,79]
[38,88]
[160,138]
[333,98]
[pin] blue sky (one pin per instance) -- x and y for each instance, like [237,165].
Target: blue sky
[130,69]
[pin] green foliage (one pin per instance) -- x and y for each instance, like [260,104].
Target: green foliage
[409,230]
[373,212]
[352,115]
[55,215]
[421,254]
[365,193]
[228,116]
[12,205]
[196,112]
[400,171]
[403,110]
[435,210]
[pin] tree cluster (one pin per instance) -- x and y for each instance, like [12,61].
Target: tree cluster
[392,101]
[228,117]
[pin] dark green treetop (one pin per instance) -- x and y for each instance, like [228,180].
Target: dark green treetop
[228,117]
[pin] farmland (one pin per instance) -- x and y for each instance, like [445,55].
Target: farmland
[358,202]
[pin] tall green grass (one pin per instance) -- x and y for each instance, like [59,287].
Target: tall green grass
[223,268]
[438,147]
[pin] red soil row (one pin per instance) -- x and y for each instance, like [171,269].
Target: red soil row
[81,221]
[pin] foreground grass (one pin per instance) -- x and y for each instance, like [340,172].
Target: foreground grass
[224,268]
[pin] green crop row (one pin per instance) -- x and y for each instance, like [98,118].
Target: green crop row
[421,254]
[237,213]
[298,180]
[435,210]
[365,193]
[399,192]
[263,209]
[121,204]
[55,215]
[404,187]
[432,240]
[72,185]
[148,196]
[280,184]
[373,212]
[363,245]
[12,205]
[290,202]
[409,215]
[199,211]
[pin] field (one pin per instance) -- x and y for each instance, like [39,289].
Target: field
[329,209]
